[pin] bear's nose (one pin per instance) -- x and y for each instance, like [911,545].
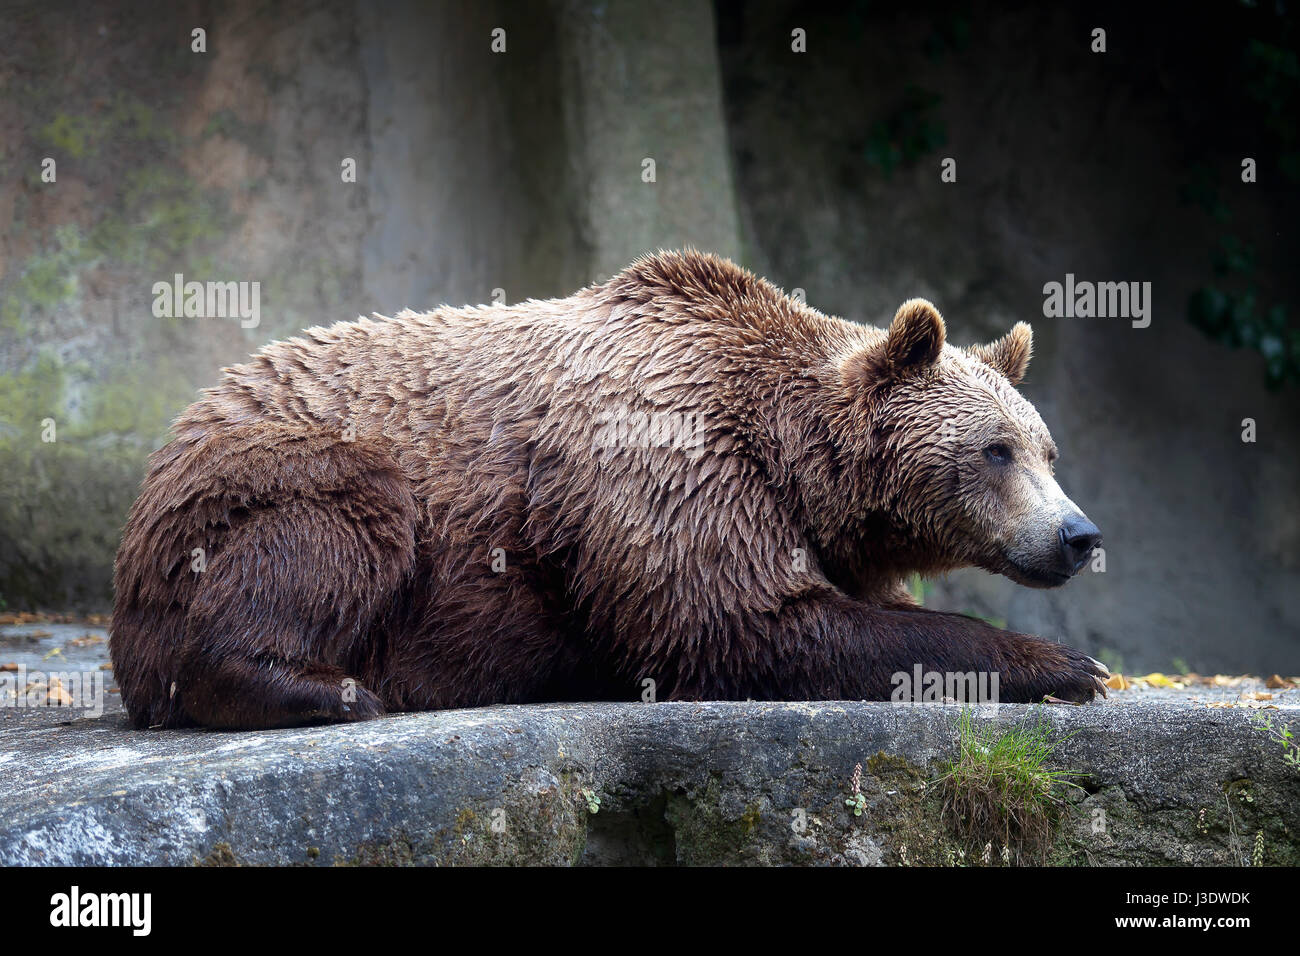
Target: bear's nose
[1078,537]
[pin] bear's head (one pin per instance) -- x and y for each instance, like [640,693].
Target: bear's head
[959,464]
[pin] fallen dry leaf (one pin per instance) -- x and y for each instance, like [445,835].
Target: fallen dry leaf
[1117,682]
[57,695]
[1259,696]
[22,617]
[8,667]
[1220,680]
[1158,680]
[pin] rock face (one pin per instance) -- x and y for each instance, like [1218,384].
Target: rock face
[730,783]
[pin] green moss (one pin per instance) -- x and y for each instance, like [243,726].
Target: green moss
[464,821]
[545,826]
[72,135]
[884,765]
[229,125]
[220,855]
[46,280]
[396,852]
[165,218]
[63,503]
[1110,827]
[127,120]
[132,119]
[158,218]
[899,817]
[708,834]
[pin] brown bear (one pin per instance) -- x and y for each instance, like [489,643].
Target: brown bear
[682,475]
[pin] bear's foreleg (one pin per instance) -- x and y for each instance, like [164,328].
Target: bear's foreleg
[832,647]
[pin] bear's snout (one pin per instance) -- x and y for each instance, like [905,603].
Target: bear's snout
[1078,537]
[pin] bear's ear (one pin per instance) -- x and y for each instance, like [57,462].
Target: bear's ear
[913,342]
[915,338]
[1009,354]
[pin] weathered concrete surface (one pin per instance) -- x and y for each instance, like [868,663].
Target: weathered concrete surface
[749,783]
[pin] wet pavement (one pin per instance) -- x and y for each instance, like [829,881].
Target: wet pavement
[75,655]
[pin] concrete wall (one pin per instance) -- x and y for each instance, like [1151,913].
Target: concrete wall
[476,171]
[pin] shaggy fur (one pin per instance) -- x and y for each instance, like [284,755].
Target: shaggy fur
[428,511]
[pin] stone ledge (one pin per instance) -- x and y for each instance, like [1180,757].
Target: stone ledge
[677,782]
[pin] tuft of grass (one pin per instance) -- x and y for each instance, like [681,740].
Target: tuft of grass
[1001,790]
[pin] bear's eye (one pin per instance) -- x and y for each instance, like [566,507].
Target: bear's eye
[999,454]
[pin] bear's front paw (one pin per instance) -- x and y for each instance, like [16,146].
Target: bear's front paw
[1079,681]
[1055,673]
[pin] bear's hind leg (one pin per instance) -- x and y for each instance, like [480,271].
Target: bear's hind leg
[279,627]
[260,690]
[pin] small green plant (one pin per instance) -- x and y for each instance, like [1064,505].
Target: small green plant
[856,801]
[1257,857]
[592,798]
[1283,734]
[1001,788]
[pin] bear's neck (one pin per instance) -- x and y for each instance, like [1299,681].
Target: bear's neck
[864,549]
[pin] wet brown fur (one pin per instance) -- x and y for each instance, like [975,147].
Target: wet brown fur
[350,489]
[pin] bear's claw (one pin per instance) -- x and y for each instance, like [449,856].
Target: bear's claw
[1084,678]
